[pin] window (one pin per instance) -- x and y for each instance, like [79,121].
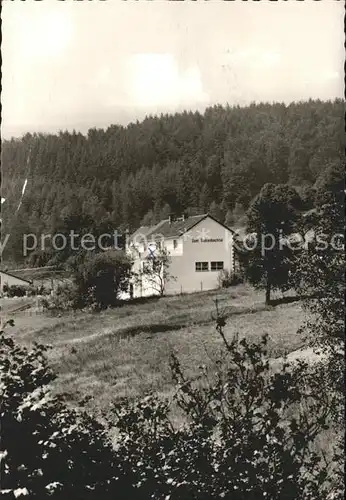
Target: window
[216,266]
[147,266]
[202,266]
[175,244]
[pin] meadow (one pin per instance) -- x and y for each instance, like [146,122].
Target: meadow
[125,351]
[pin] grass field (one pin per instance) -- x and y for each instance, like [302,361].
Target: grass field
[125,351]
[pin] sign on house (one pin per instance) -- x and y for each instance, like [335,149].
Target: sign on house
[207,240]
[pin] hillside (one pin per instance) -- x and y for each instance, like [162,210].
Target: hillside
[125,351]
[122,177]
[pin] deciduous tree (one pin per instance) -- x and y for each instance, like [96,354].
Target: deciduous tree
[156,271]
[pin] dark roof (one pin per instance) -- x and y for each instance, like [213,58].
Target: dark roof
[176,228]
[141,231]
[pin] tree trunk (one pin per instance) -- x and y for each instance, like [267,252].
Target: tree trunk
[162,287]
[268,292]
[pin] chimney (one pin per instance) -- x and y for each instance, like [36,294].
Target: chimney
[171,218]
[182,217]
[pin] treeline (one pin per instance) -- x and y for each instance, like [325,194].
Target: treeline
[126,176]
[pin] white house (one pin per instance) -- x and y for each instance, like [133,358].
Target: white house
[199,247]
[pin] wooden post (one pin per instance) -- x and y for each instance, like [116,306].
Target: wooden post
[201,286]
[268,287]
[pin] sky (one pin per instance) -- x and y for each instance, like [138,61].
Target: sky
[77,65]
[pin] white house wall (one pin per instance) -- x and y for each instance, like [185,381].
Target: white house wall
[169,245]
[173,245]
[196,248]
[191,248]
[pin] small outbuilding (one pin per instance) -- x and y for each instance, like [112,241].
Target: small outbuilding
[6,278]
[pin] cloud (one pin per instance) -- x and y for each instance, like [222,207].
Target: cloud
[250,56]
[191,86]
[332,75]
[270,58]
[78,64]
[43,33]
[155,81]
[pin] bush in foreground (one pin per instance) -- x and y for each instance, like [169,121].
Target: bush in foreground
[248,433]
[47,449]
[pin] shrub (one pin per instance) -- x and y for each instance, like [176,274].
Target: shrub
[223,278]
[15,290]
[100,278]
[32,291]
[227,279]
[237,278]
[47,449]
[247,434]
[64,298]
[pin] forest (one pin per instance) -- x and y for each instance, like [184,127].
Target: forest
[244,423]
[124,176]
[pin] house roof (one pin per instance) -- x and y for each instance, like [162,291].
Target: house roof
[16,276]
[141,231]
[173,229]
